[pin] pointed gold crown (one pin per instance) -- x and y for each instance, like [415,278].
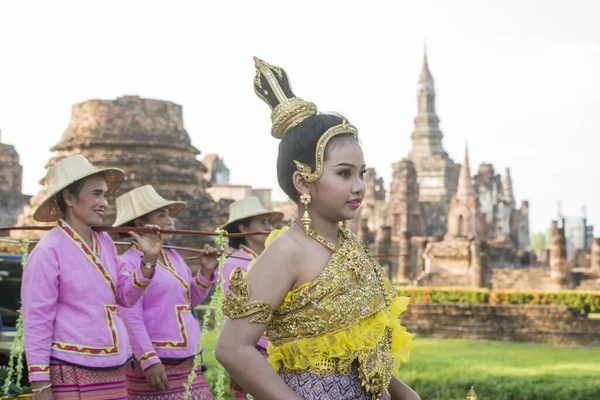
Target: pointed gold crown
[271,84]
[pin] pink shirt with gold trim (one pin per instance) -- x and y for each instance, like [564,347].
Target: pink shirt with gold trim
[70,295]
[161,325]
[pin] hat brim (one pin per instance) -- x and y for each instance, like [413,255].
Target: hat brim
[49,210]
[175,207]
[276,216]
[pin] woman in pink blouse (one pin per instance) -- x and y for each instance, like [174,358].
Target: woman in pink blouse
[163,332]
[75,341]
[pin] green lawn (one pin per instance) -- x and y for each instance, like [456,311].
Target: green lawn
[446,369]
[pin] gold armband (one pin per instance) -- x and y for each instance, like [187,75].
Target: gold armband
[236,305]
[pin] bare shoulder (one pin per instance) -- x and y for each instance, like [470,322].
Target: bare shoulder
[284,250]
[276,270]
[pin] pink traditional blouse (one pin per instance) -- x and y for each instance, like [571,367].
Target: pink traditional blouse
[161,324]
[70,294]
[241,258]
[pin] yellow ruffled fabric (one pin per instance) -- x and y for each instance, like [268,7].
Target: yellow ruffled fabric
[344,345]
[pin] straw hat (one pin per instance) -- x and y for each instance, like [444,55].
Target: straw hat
[66,172]
[141,201]
[248,208]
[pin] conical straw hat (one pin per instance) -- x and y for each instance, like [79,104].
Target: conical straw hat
[141,201]
[247,208]
[66,172]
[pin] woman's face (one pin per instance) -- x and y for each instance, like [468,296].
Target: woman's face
[259,224]
[89,206]
[162,218]
[337,195]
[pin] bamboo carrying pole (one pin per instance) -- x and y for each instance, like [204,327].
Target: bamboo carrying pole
[120,229]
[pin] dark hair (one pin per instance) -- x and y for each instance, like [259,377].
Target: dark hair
[75,189]
[236,242]
[299,144]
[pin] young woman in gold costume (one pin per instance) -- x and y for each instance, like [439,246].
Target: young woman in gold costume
[327,307]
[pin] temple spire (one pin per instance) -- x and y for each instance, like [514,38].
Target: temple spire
[507,191]
[426,77]
[465,184]
[437,174]
[427,137]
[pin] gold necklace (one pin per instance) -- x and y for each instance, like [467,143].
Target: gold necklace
[324,242]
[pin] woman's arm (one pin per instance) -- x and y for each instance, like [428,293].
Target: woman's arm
[206,276]
[132,285]
[40,292]
[269,281]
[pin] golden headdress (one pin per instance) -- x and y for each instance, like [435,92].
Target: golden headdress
[272,85]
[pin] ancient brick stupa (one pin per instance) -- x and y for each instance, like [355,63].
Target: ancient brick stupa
[147,139]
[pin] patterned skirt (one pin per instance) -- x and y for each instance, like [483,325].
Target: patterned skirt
[239,395]
[177,374]
[71,382]
[332,387]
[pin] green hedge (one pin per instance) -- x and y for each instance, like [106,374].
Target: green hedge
[585,302]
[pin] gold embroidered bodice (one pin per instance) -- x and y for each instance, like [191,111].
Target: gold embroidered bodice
[351,287]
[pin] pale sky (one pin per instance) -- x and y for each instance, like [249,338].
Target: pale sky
[518,80]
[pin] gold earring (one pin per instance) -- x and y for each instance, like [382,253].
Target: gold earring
[306,220]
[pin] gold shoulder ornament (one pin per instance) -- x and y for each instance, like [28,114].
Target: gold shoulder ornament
[236,305]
